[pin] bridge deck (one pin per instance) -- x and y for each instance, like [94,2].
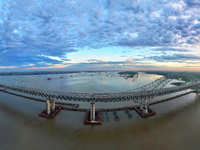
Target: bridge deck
[75,106]
[98,97]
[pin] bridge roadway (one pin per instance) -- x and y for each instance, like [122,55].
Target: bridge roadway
[99,97]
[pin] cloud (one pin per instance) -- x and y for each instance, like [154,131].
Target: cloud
[42,31]
[174,57]
[192,3]
[96,61]
[170,49]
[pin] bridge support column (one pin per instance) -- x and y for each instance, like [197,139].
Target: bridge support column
[92,112]
[145,110]
[141,107]
[48,105]
[53,106]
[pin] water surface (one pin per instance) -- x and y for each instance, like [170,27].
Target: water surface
[175,126]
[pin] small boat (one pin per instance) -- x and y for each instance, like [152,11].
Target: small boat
[106,113]
[116,118]
[48,78]
[126,111]
[114,113]
[130,116]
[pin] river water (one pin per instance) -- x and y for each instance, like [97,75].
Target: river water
[175,126]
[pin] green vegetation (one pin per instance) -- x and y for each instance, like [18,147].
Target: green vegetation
[193,75]
[164,73]
[184,76]
[178,83]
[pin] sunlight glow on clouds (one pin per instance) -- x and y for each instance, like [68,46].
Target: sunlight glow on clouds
[120,34]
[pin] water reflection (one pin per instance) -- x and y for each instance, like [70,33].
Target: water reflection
[81,82]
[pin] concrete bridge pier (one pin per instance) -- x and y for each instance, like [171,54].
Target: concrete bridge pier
[53,106]
[145,110]
[141,107]
[92,112]
[48,105]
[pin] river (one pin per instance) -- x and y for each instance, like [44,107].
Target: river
[175,126]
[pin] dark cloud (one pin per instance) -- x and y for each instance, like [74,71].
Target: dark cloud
[192,3]
[17,60]
[174,57]
[169,49]
[195,27]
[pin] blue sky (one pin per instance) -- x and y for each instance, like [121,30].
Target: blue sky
[99,35]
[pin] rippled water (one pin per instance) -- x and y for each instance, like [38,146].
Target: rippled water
[175,126]
[93,82]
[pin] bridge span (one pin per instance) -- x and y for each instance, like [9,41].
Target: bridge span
[99,97]
[143,95]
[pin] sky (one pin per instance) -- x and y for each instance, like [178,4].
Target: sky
[67,35]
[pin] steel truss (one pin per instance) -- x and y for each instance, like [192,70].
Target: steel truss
[154,88]
[143,95]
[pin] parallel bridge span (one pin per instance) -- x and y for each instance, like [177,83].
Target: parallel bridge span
[99,97]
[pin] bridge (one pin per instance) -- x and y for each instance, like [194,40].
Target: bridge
[143,95]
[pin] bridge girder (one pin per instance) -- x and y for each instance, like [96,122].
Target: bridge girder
[139,95]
